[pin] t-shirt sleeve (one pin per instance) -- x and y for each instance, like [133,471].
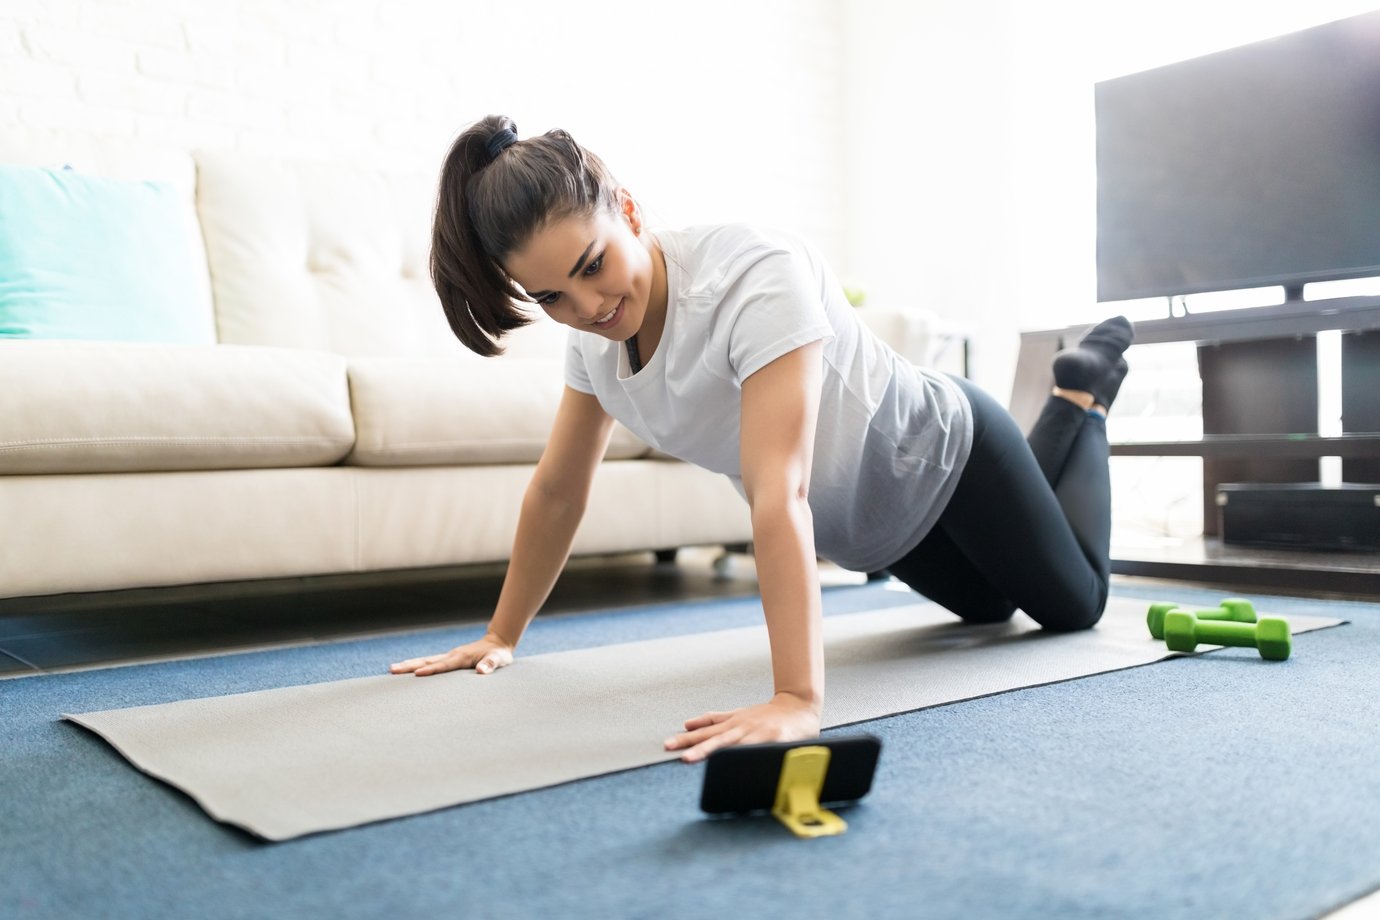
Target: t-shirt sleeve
[576,374]
[774,307]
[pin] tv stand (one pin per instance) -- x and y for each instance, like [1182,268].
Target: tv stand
[1258,368]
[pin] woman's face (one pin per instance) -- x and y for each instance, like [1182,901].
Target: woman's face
[593,274]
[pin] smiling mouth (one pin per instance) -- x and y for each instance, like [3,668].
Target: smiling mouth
[608,318]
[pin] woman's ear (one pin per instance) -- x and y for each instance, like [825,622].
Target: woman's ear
[627,206]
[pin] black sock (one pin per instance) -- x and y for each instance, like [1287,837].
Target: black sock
[1105,390]
[1095,365]
[1110,338]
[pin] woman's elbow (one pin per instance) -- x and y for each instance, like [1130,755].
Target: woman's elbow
[780,499]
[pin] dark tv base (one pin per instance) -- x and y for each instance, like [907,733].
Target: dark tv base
[1300,516]
[1242,569]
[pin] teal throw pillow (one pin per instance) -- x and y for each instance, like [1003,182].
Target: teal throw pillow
[83,257]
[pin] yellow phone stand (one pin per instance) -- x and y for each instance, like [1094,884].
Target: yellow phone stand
[797,794]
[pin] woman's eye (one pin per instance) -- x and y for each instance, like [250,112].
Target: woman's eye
[549,299]
[593,267]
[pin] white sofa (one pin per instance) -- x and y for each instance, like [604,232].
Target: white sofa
[335,426]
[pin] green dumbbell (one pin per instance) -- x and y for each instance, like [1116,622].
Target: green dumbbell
[1235,609]
[1183,632]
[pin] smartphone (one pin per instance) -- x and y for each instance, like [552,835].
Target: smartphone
[743,779]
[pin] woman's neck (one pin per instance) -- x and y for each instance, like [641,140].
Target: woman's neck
[649,333]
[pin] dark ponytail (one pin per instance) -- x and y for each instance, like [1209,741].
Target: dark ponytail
[495,192]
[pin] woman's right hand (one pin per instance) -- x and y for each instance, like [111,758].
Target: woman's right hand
[485,655]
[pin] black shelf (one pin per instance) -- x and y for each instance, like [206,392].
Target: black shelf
[1256,445]
[1209,560]
[1285,320]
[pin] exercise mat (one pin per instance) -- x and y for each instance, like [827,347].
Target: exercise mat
[298,760]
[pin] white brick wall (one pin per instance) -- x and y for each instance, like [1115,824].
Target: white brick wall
[725,109]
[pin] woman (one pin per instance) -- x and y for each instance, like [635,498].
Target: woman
[735,348]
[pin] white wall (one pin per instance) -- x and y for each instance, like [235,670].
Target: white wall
[720,110]
[971,154]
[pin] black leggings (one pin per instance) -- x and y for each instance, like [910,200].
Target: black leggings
[1029,524]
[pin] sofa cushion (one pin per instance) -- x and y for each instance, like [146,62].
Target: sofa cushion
[86,257]
[79,407]
[427,411]
[318,255]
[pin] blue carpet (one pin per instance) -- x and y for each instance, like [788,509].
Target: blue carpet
[1212,786]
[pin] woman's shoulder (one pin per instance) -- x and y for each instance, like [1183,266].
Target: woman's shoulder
[715,255]
[731,239]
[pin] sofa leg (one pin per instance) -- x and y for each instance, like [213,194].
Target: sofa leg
[723,565]
[664,556]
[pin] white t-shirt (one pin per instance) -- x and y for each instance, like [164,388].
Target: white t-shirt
[891,438]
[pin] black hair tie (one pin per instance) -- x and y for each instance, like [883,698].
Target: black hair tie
[501,140]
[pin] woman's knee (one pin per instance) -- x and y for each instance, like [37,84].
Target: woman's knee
[989,612]
[1071,615]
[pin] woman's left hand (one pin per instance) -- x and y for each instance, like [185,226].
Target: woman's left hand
[784,718]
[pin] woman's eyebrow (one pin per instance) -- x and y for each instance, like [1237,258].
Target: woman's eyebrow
[579,264]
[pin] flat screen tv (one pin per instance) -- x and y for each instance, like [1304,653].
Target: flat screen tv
[1251,167]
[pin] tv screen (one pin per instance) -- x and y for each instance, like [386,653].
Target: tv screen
[1250,167]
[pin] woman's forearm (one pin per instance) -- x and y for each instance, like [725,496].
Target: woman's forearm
[784,545]
[546,529]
